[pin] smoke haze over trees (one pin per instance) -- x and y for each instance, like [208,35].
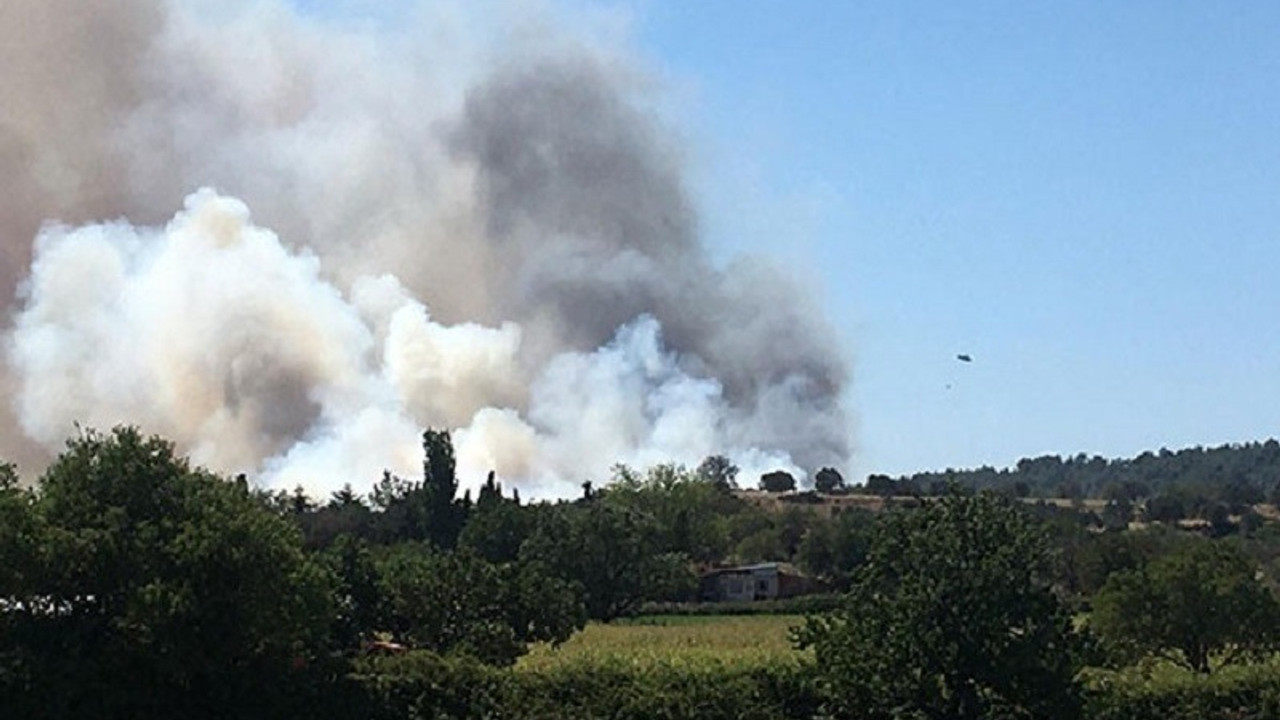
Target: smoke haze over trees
[447,220]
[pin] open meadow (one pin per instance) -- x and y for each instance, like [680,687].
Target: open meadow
[711,640]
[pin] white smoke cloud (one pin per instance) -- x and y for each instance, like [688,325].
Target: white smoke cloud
[208,330]
[213,333]
[456,222]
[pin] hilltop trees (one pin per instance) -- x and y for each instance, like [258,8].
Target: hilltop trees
[777,481]
[950,617]
[1174,484]
[828,480]
[719,470]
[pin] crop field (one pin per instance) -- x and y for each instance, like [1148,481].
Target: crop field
[716,640]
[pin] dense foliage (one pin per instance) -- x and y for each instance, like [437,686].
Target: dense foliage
[1166,485]
[135,585]
[951,617]
[132,565]
[1203,602]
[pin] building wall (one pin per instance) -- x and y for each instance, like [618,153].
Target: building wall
[742,585]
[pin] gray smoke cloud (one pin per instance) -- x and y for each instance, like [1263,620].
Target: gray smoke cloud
[290,242]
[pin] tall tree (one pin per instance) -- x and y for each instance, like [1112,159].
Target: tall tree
[445,516]
[427,510]
[950,617]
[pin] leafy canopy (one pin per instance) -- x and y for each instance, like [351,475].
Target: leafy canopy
[151,568]
[950,617]
[1202,602]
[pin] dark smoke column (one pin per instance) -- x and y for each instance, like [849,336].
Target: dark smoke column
[587,210]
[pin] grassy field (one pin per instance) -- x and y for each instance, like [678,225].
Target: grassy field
[741,640]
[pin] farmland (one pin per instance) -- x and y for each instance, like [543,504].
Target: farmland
[723,640]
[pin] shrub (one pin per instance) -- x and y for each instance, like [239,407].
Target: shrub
[1165,692]
[426,685]
[704,690]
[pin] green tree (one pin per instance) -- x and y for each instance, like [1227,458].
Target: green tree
[689,511]
[360,608]
[1117,514]
[1201,603]
[21,538]
[428,510]
[950,617]
[777,481]
[605,548]
[1164,509]
[22,541]
[719,470]
[344,514]
[497,526]
[445,515]
[882,485]
[1101,555]
[154,569]
[832,548]
[828,480]
[456,602]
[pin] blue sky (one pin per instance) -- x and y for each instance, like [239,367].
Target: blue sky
[1085,197]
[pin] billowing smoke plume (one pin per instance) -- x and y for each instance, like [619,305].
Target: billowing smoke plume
[290,243]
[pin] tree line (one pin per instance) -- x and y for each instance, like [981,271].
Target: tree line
[126,562]
[133,584]
[1207,484]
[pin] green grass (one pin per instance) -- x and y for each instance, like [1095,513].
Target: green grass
[723,641]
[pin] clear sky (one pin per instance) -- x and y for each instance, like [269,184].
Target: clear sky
[1083,196]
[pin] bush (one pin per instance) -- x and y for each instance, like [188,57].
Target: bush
[1169,693]
[707,690]
[426,685]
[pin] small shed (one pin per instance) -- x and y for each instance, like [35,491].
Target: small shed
[747,583]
